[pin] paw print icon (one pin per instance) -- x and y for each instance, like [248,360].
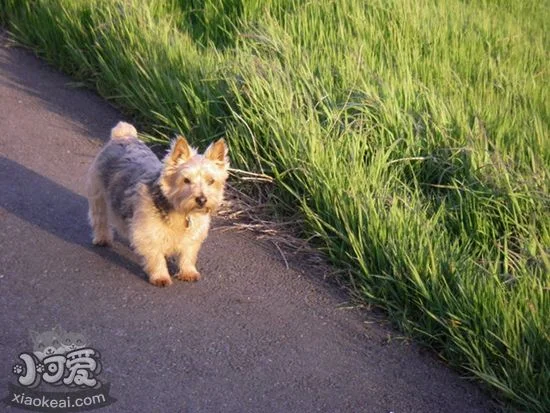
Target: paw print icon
[17,369]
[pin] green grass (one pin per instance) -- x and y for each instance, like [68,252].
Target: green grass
[411,136]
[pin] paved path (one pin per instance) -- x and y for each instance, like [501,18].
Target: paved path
[252,336]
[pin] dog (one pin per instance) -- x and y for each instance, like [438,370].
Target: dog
[162,208]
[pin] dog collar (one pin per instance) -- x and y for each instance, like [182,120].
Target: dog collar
[162,204]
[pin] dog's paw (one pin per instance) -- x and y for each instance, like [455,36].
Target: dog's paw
[189,275]
[100,242]
[160,281]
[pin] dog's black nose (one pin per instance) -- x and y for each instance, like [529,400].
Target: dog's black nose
[200,200]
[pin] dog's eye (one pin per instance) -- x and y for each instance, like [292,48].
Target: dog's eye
[186,181]
[210,181]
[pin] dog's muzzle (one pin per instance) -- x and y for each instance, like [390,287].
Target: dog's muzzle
[200,200]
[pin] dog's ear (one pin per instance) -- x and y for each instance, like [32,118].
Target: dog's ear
[180,151]
[217,152]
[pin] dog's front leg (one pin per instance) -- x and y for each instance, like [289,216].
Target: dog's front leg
[187,260]
[154,264]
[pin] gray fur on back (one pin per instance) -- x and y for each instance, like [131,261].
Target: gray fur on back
[123,164]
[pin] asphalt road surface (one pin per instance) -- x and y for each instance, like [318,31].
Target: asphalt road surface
[251,336]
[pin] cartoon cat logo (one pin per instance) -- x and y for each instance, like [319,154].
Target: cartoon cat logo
[56,341]
[47,343]
[73,341]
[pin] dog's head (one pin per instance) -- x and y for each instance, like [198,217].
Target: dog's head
[193,182]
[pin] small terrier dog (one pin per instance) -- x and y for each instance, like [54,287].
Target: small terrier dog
[162,208]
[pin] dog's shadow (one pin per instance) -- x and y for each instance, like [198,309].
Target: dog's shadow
[55,209]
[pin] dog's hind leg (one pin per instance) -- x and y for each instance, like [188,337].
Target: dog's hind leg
[98,213]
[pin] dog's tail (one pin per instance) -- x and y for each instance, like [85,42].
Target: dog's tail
[123,130]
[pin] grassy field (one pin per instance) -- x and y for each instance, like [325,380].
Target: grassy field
[411,137]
